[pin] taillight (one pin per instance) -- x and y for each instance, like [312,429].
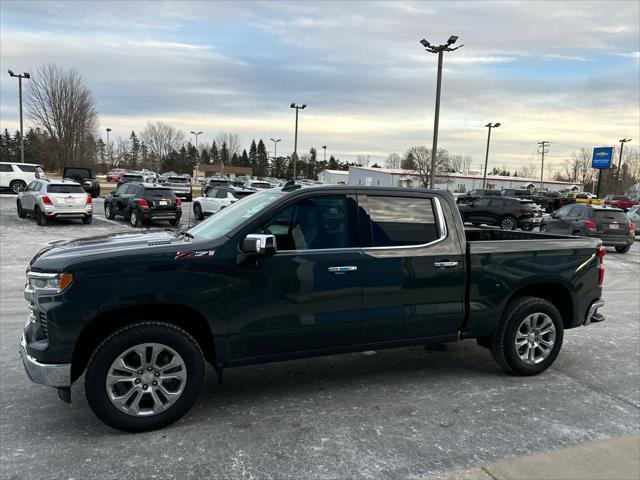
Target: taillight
[632,227]
[178,202]
[89,200]
[590,226]
[601,252]
[143,203]
[525,210]
[46,200]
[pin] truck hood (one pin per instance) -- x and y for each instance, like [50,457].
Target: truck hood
[61,253]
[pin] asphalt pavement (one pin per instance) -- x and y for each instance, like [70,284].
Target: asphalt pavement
[403,413]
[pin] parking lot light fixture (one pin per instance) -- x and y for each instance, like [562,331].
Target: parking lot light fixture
[324,147]
[109,148]
[275,147]
[20,76]
[295,141]
[439,49]
[486,158]
[196,134]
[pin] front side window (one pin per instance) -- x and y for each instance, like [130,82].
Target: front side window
[221,193]
[5,167]
[576,211]
[31,187]
[497,203]
[401,221]
[311,224]
[212,193]
[564,211]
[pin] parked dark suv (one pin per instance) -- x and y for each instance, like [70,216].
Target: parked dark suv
[143,202]
[507,213]
[85,177]
[609,224]
[475,194]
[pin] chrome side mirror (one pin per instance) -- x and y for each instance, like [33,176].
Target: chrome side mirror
[259,244]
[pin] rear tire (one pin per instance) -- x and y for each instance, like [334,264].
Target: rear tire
[173,222]
[159,407]
[623,249]
[134,218]
[508,223]
[21,212]
[41,218]
[87,219]
[197,211]
[544,228]
[521,333]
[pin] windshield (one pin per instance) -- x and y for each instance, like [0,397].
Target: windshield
[231,217]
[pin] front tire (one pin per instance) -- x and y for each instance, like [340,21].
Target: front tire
[108,212]
[529,336]
[623,249]
[145,376]
[508,223]
[21,212]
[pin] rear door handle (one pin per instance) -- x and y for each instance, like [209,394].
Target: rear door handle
[342,269]
[445,264]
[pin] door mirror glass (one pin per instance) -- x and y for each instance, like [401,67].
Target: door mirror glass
[259,244]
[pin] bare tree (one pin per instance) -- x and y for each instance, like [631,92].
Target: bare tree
[159,139]
[58,100]
[232,140]
[528,171]
[394,160]
[422,160]
[459,163]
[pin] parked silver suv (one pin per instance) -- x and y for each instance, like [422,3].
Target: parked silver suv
[49,199]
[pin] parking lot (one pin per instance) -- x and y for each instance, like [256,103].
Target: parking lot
[403,413]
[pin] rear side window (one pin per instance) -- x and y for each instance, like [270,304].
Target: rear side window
[240,195]
[610,216]
[497,203]
[65,189]
[401,221]
[159,193]
[29,168]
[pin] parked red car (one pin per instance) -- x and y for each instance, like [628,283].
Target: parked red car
[620,201]
[115,174]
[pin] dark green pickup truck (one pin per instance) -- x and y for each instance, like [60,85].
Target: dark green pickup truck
[288,273]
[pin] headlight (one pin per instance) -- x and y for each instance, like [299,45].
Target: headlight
[48,283]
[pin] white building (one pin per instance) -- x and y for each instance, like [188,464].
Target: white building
[455,182]
[333,176]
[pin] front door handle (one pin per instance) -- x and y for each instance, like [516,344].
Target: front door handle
[342,269]
[445,264]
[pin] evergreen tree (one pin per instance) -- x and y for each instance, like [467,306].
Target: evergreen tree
[409,162]
[134,153]
[279,167]
[313,157]
[262,160]
[224,154]
[333,164]
[253,157]
[244,160]
[214,157]
[235,160]
[204,156]
[193,156]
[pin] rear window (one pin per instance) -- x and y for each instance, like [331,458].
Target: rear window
[398,221]
[30,168]
[241,194]
[132,178]
[77,173]
[610,215]
[620,198]
[177,180]
[65,189]
[159,193]
[260,185]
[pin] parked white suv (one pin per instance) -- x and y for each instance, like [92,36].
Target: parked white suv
[16,176]
[216,199]
[49,199]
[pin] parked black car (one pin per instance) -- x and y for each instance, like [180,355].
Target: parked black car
[143,202]
[609,224]
[130,177]
[549,201]
[85,177]
[214,182]
[475,194]
[507,213]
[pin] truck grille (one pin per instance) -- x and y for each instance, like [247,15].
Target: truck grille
[43,323]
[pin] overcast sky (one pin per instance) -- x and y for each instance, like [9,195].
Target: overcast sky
[564,72]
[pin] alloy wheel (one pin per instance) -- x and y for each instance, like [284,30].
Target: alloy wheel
[146,379]
[508,224]
[535,338]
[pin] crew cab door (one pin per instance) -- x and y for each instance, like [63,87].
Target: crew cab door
[308,295]
[413,272]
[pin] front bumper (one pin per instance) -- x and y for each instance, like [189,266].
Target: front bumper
[52,375]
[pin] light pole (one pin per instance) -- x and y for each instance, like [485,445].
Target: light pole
[196,134]
[486,157]
[324,159]
[294,157]
[544,148]
[622,142]
[275,148]
[439,49]
[20,76]
[109,149]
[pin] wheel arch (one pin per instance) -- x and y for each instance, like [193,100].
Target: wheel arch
[556,293]
[108,322]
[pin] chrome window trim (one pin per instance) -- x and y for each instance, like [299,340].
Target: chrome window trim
[440,220]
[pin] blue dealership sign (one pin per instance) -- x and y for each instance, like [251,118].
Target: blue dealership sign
[602,157]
